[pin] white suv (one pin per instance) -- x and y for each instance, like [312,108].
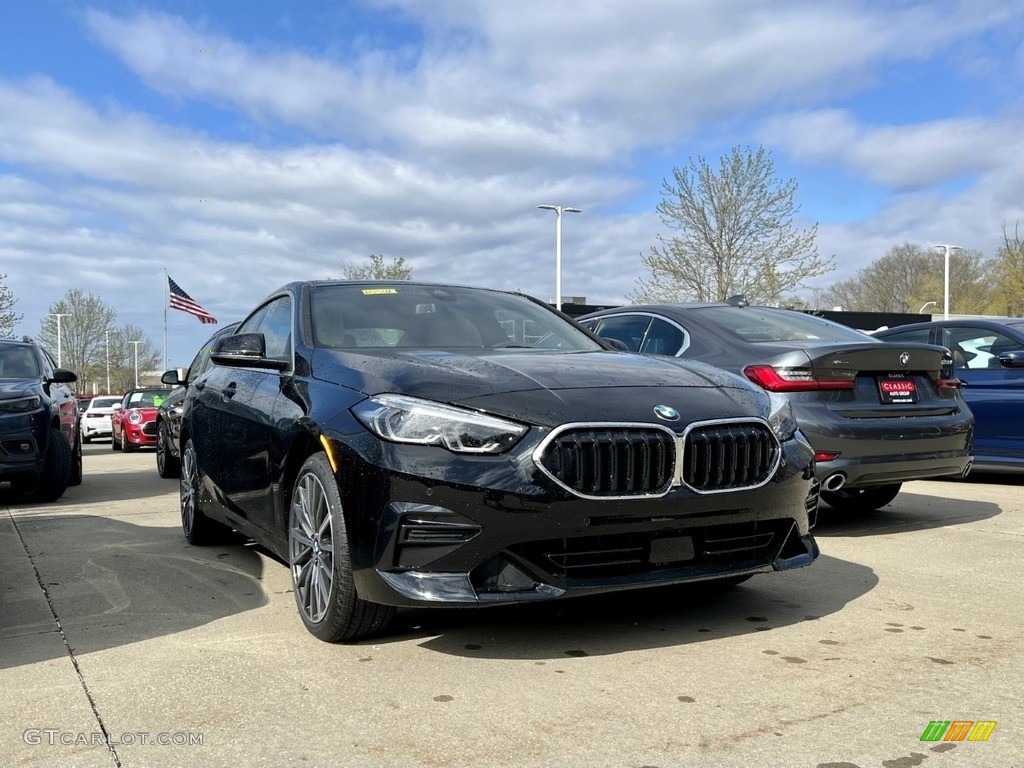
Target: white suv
[96,419]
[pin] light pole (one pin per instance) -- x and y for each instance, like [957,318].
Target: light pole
[946,249]
[136,343]
[58,315]
[559,210]
[925,306]
[107,334]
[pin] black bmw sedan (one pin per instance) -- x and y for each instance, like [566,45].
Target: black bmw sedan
[877,414]
[410,444]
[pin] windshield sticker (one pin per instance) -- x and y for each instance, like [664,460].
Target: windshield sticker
[377,291]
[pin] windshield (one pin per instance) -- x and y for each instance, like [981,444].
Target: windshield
[150,399]
[17,362]
[434,317]
[758,325]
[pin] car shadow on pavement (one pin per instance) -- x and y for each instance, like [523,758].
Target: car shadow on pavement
[639,619]
[909,512]
[110,583]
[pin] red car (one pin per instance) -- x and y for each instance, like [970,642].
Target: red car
[133,424]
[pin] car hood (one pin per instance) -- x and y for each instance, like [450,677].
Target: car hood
[12,388]
[548,388]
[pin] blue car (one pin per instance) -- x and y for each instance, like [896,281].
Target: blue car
[988,358]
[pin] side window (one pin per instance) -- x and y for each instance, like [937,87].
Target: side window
[274,321]
[977,348]
[200,363]
[629,329]
[918,334]
[663,338]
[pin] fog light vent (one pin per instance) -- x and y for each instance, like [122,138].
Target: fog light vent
[502,575]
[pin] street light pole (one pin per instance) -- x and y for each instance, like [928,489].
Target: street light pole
[58,315]
[925,306]
[559,210]
[107,334]
[136,343]
[945,280]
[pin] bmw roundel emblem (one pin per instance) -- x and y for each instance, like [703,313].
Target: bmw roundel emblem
[666,412]
[905,358]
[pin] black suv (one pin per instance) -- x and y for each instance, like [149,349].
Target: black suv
[40,445]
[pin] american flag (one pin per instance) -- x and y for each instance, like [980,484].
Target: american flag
[184,302]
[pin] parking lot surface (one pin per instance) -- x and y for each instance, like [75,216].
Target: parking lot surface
[121,645]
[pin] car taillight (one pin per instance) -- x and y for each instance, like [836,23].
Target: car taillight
[948,383]
[792,379]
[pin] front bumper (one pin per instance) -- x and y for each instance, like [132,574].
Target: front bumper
[22,451]
[508,534]
[142,435]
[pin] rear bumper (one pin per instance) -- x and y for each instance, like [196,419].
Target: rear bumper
[882,451]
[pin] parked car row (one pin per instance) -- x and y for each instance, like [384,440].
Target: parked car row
[415,444]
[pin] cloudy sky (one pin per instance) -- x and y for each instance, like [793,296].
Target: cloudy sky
[240,145]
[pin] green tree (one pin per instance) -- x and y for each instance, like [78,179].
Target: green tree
[909,276]
[377,269]
[8,317]
[1006,275]
[735,233]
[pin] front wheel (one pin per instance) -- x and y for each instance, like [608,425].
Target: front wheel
[197,527]
[320,563]
[861,499]
[56,474]
[126,447]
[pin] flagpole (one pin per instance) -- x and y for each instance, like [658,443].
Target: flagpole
[167,301]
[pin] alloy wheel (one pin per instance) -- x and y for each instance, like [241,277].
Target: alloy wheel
[311,547]
[188,488]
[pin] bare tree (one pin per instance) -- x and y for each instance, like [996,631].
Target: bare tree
[377,269]
[8,317]
[84,333]
[735,234]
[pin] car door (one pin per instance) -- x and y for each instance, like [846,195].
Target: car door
[238,407]
[994,393]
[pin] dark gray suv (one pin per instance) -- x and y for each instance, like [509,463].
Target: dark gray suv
[40,443]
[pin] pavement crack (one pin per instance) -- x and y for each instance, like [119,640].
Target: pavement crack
[67,646]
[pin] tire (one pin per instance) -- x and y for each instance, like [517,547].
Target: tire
[115,444]
[861,499]
[320,564]
[76,462]
[166,464]
[126,447]
[86,439]
[197,527]
[56,474]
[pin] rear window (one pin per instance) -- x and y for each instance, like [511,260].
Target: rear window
[104,402]
[759,325]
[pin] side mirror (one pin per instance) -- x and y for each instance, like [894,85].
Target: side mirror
[1013,359]
[117,407]
[63,376]
[245,350]
[173,377]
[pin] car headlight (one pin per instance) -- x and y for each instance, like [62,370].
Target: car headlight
[404,419]
[135,417]
[21,405]
[781,416]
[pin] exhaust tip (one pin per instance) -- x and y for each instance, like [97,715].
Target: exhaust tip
[834,482]
[967,469]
